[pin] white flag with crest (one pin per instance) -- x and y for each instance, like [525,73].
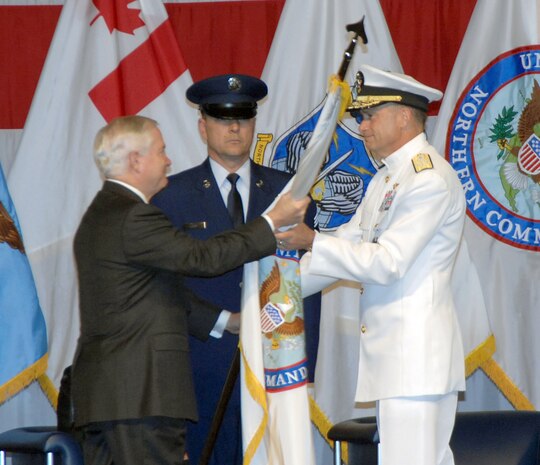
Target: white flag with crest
[486,127]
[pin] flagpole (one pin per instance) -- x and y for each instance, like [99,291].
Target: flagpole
[232,376]
[359,31]
[221,407]
[313,157]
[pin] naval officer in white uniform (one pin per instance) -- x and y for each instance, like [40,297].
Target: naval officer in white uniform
[401,246]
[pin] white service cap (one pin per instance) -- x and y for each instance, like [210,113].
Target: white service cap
[374,87]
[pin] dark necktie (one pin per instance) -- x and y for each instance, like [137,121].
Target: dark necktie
[234,202]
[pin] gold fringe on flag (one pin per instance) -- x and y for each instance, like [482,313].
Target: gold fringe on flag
[258,393]
[23,379]
[480,355]
[508,388]
[345,97]
[49,389]
[323,425]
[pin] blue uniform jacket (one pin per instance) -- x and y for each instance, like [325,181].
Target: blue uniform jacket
[193,202]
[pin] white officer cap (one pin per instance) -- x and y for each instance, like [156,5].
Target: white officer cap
[374,87]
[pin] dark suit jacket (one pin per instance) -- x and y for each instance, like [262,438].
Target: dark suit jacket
[193,202]
[132,357]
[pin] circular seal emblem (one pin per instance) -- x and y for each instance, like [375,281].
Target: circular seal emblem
[493,143]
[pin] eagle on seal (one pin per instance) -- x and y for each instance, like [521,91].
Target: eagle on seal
[8,231]
[274,290]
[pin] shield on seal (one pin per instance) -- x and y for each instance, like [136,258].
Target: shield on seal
[529,156]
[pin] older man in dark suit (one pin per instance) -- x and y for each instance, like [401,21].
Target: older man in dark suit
[132,382]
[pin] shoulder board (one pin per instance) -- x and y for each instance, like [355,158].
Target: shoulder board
[421,162]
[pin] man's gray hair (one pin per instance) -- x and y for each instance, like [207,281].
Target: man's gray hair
[122,136]
[420,116]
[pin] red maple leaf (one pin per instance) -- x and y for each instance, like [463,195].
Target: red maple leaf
[118,16]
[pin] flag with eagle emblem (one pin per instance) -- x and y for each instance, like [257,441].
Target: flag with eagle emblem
[23,336]
[275,378]
[277,429]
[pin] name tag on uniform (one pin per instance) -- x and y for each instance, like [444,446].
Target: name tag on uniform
[197,225]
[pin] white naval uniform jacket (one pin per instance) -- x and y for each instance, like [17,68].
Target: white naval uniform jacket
[401,245]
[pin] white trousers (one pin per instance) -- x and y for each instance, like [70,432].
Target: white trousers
[416,430]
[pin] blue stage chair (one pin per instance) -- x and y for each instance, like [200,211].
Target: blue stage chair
[46,441]
[362,438]
[479,438]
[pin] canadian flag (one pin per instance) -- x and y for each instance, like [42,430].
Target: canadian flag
[108,58]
